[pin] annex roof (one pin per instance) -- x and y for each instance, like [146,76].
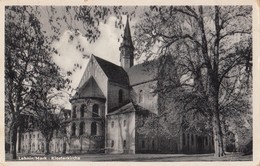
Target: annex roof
[124,109]
[130,107]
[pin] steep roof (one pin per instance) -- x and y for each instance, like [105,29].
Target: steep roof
[114,73]
[89,89]
[143,73]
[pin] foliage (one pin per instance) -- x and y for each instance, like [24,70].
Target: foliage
[29,69]
[210,46]
[31,76]
[212,49]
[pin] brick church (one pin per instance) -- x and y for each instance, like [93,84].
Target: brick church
[111,106]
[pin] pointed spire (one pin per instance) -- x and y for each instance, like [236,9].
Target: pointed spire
[127,39]
[127,48]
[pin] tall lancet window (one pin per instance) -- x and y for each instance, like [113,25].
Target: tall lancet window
[73,129]
[95,110]
[120,96]
[93,128]
[82,110]
[74,113]
[141,96]
[81,128]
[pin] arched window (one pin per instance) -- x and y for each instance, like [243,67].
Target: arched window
[74,114]
[120,96]
[112,143]
[81,128]
[73,129]
[95,110]
[93,128]
[112,124]
[82,110]
[141,96]
[124,123]
[124,144]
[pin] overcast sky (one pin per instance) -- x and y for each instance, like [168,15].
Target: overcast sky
[106,47]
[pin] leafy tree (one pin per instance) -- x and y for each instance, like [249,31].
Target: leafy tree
[209,68]
[26,56]
[28,45]
[46,108]
[212,46]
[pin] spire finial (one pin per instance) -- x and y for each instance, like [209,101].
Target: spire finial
[126,47]
[127,27]
[127,33]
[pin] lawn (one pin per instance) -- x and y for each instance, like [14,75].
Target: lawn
[148,157]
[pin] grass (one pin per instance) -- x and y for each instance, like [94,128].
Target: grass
[152,157]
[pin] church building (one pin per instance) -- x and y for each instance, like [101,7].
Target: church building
[111,103]
[111,107]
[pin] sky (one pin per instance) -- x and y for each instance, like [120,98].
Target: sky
[106,47]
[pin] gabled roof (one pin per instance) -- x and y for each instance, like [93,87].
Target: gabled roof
[142,111]
[130,107]
[89,89]
[124,109]
[114,73]
[143,73]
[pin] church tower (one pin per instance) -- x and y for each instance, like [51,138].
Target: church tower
[126,48]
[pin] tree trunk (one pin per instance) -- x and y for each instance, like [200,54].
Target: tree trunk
[47,147]
[81,143]
[216,123]
[19,140]
[14,141]
[217,134]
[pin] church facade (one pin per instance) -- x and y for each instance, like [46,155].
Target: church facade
[112,101]
[111,106]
